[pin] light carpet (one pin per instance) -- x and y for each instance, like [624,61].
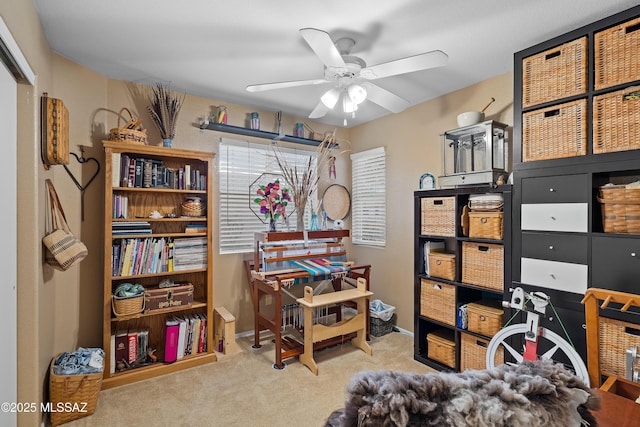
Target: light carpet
[244,390]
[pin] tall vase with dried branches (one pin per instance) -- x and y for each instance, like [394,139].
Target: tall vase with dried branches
[303,182]
[164,109]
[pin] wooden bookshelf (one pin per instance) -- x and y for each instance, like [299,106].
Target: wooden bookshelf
[141,202]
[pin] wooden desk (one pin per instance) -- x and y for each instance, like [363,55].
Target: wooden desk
[619,408]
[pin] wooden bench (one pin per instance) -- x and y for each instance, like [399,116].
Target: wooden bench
[314,333]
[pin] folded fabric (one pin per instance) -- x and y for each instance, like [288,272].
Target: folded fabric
[81,361]
[128,290]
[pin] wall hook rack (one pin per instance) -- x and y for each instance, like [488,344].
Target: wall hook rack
[81,159]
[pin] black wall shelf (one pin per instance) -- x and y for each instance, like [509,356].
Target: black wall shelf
[220,127]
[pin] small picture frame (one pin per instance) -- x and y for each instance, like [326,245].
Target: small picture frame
[427,182]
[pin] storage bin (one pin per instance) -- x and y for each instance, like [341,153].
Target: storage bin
[438,301]
[438,216]
[616,337]
[473,354]
[555,132]
[616,118]
[441,347]
[483,265]
[554,74]
[616,53]
[166,299]
[486,225]
[485,317]
[72,396]
[381,318]
[620,209]
[442,265]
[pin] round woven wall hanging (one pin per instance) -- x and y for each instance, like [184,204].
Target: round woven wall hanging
[336,202]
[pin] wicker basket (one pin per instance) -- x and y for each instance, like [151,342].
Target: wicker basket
[620,209]
[442,347]
[616,337]
[554,74]
[555,132]
[193,207]
[438,301]
[381,327]
[616,55]
[473,354]
[127,306]
[442,265]
[484,317]
[131,132]
[483,265]
[616,118]
[486,225]
[438,216]
[70,394]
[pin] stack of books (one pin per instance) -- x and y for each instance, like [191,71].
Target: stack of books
[189,253]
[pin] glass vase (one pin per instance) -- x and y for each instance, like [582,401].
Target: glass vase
[300,207]
[272,225]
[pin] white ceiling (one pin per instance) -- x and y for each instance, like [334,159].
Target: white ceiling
[214,49]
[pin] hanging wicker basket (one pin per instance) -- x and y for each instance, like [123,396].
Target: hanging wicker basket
[132,131]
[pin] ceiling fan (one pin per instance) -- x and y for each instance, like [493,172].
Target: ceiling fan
[351,75]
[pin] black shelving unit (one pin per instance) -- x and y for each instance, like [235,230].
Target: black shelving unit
[464,292]
[598,259]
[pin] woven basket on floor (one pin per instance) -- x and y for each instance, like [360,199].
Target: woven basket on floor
[72,396]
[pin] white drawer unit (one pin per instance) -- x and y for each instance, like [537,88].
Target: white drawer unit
[570,217]
[562,276]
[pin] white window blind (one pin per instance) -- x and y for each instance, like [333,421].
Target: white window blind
[240,163]
[368,193]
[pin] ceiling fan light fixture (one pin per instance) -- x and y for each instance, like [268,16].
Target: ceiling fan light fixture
[330,98]
[348,106]
[357,93]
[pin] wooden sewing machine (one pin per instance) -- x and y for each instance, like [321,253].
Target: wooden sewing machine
[283,260]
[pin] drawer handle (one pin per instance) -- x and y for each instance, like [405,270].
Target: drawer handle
[551,190]
[553,276]
[437,287]
[482,318]
[551,247]
[553,218]
[483,220]
[633,254]
[438,262]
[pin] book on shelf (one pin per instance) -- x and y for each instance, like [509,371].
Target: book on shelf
[187,177]
[121,346]
[195,228]
[172,331]
[132,346]
[182,336]
[116,169]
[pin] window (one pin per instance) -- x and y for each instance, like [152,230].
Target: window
[368,192]
[240,164]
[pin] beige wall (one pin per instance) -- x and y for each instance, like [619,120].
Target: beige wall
[413,147]
[60,311]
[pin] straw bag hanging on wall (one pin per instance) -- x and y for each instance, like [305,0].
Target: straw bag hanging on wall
[62,248]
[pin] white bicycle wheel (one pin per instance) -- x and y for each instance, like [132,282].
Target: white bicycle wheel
[560,344]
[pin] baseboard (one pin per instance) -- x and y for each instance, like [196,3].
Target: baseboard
[250,333]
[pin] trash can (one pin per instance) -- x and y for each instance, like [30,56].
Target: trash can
[382,318]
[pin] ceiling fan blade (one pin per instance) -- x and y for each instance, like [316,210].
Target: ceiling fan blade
[384,98]
[323,46]
[281,85]
[423,61]
[319,111]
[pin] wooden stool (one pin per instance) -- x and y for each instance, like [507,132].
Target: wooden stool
[225,327]
[314,333]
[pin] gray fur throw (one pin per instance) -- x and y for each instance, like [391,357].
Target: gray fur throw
[529,394]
